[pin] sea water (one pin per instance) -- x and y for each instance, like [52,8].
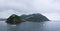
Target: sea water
[31,26]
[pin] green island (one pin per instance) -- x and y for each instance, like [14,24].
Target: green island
[15,19]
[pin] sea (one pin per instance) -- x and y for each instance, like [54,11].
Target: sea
[31,26]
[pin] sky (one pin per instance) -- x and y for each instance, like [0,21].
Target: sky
[49,8]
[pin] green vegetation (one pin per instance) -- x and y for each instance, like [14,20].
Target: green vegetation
[13,19]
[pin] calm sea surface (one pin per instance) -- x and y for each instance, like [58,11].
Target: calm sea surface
[31,26]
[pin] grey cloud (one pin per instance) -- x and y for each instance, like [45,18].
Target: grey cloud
[29,6]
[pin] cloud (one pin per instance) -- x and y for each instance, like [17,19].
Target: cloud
[45,7]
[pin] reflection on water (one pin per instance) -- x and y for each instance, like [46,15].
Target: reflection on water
[31,26]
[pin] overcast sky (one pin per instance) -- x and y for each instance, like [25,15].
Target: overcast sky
[49,8]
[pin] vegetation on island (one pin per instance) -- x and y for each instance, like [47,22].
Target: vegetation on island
[35,17]
[15,19]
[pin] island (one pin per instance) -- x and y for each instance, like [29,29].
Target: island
[14,19]
[35,17]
